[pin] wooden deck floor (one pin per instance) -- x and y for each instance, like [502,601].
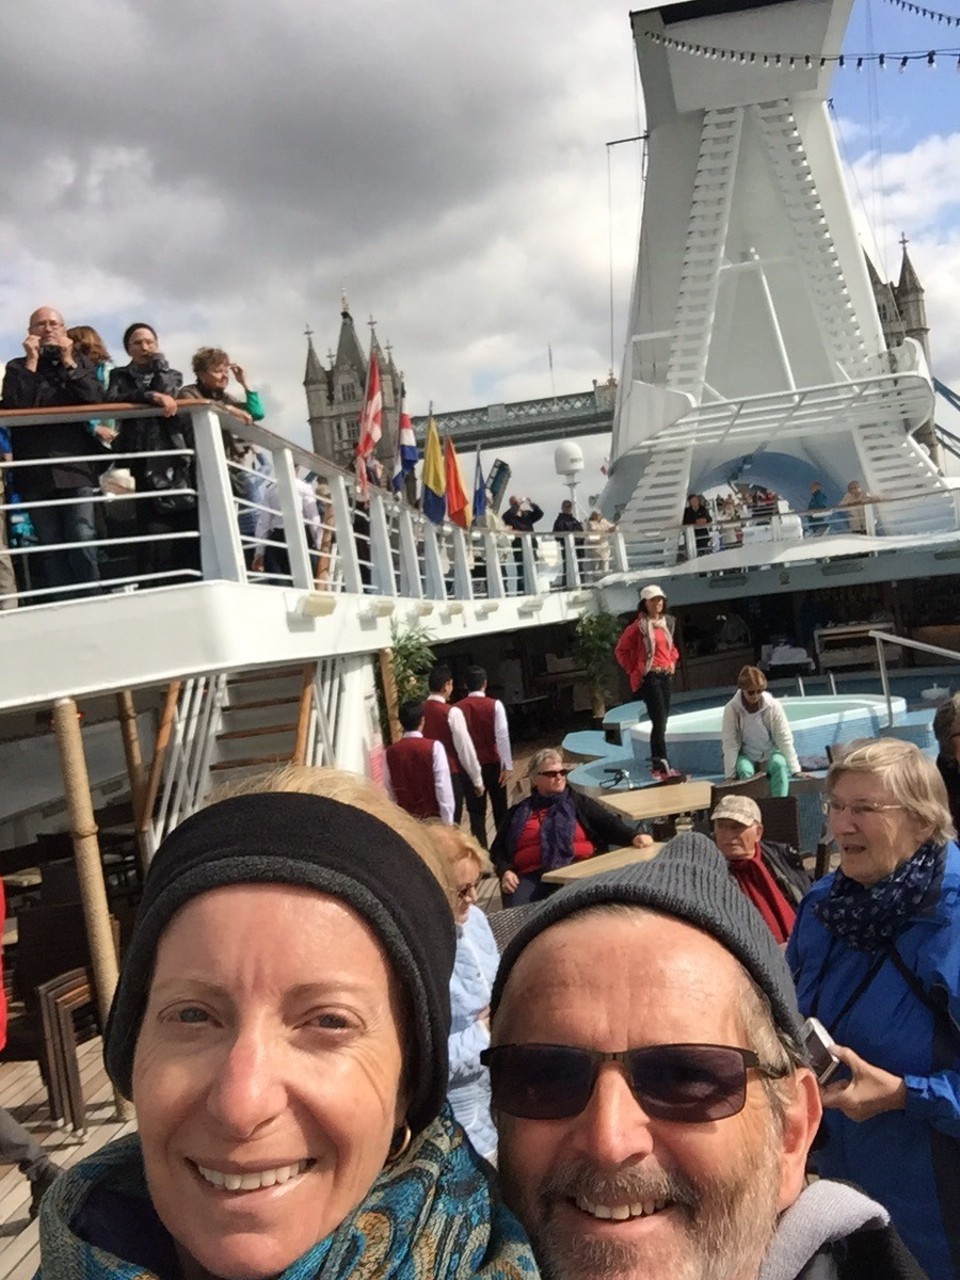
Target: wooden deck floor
[23,1094]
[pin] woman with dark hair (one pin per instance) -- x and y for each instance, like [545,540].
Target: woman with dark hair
[649,655]
[212,370]
[86,339]
[946,730]
[281,1024]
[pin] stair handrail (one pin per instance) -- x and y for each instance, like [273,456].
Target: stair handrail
[921,646]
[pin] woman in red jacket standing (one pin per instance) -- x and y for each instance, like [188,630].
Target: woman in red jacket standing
[648,654]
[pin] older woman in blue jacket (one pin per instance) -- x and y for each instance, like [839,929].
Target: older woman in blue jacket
[474,970]
[875,954]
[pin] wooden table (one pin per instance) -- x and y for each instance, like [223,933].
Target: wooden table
[659,802]
[601,862]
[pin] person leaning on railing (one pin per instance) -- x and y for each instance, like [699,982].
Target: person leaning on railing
[149,380]
[51,375]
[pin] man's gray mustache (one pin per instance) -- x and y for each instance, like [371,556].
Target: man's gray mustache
[631,1185]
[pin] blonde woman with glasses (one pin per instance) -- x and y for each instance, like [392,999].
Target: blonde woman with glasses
[875,954]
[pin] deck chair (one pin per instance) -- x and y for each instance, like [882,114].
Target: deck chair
[60,999]
[756,788]
[781,822]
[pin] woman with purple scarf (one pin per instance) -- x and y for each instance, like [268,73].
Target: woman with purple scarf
[875,954]
[551,828]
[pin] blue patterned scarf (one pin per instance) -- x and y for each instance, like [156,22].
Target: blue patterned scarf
[431,1216]
[867,917]
[557,829]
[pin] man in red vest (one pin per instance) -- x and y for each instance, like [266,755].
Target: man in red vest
[447,725]
[415,771]
[487,723]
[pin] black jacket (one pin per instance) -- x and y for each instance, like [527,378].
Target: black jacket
[53,384]
[786,867]
[605,829]
[868,1254]
[141,435]
[567,524]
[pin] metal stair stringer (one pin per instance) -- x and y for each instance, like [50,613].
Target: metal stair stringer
[703,252]
[895,466]
[817,254]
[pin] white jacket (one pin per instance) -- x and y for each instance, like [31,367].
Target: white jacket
[775,722]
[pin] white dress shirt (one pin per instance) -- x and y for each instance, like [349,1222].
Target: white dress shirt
[501,730]
[462,742]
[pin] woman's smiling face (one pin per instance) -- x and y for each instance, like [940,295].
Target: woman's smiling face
[267,1075]
[874,833]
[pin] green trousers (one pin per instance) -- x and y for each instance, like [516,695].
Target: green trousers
[777,772]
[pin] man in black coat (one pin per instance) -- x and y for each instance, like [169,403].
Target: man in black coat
[51,375]
[567,522]
[520,516]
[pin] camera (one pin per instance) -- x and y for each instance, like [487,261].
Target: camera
[818,1043]
[50,351]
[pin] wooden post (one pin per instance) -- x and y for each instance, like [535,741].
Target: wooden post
[86,852]
[152,787]
[389,681]
[127,715]
[303,713]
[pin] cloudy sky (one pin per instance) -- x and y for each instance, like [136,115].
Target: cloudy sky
[222,168]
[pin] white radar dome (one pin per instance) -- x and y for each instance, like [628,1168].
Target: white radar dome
[568,458]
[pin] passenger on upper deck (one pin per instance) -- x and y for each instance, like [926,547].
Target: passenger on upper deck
[149,380]
[53,374]
[212,370]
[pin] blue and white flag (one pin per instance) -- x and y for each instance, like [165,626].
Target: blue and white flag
[479,492]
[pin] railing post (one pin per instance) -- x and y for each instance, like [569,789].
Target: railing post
[410,583]
[689,542]
[462,582]
[221,552]
[619,549]
[380,553]
[869,518]
[531,583]
[436,588]
[491,549]
[885,681]
[343,532]
[572,574]
[291,510]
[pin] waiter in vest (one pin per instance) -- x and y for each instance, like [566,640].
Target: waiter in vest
[447,725]
[487,723]
[415,770]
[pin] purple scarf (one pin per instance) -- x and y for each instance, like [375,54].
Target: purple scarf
[556,831]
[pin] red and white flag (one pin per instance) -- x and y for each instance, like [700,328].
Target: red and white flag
[371,424]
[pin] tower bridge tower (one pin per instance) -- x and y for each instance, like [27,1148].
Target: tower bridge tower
[753,331]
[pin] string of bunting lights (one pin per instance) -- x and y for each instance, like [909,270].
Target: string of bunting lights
[808,61]
[950,19]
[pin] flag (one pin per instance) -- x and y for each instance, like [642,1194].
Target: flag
[371,420]
[458,503]
[479,492]
[406,452]
[433,500]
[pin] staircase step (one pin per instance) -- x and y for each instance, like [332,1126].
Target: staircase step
[248,762]
[257,703]
[259,731]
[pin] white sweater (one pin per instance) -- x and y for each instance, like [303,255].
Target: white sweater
[774,721]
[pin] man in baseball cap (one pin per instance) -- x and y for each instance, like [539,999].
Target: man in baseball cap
[653,1100]
[770,874]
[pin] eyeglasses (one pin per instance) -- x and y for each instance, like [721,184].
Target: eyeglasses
[553,773]
[693,1083]
[858,809]
[468,890]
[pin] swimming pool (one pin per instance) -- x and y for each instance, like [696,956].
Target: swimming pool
[693,737]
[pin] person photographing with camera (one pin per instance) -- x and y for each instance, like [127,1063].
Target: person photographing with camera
[52,374]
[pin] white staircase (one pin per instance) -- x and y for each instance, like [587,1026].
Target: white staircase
[649,520]
[895,466]
[822,272]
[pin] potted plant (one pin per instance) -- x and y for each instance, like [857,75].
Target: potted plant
[594,640]
[404,668]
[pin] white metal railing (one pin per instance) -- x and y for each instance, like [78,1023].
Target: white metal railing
[250,524]
[882,638]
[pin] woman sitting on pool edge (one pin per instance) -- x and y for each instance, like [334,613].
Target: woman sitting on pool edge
[755,734]
[551,828]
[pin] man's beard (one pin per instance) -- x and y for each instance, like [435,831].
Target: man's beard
[721,1229]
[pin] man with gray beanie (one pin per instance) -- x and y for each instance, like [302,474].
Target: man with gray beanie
[654,1104]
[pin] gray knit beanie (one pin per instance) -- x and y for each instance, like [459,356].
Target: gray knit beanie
[312,842]
[687,879]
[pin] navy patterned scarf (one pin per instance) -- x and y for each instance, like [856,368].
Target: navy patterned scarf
[867,917]
[557,829]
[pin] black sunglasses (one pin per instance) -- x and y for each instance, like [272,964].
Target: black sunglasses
[554,773]
[694,1083]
